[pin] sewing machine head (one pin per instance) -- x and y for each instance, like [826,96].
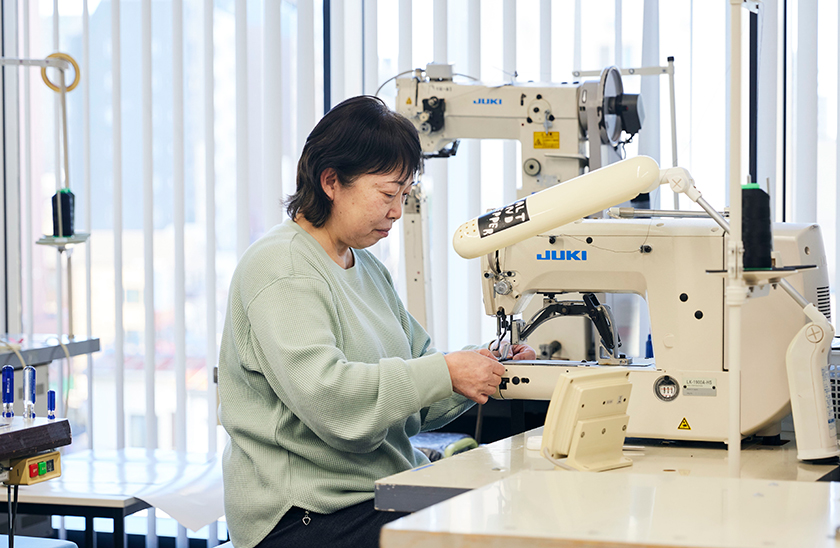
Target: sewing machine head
[665,261]
[551,121]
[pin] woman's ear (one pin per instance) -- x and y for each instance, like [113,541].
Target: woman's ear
[329,182]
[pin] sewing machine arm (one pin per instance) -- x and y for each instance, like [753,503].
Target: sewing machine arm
[600,315]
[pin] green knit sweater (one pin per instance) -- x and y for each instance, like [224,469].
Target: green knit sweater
[323,377]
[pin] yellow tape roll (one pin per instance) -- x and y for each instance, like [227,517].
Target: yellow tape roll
[70,60]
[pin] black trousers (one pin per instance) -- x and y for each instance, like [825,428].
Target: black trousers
[354,527]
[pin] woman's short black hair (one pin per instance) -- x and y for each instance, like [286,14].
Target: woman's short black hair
[358,136]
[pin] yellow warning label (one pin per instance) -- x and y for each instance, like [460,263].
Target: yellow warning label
[408,102]
[546,140]
[684,425]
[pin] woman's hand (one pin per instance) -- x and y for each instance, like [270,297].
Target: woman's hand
[515,352]
[522,352]
[474,374]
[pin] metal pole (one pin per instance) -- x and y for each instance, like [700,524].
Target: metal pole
[674,161]
[735,290]
[70,334]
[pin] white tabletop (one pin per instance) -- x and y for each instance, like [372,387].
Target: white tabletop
[419,488]
[187,486]
[596,510]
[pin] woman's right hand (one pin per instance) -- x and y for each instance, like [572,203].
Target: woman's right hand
[474,374]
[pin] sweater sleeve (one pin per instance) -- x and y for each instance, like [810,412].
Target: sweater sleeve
[349,405]
[440,412]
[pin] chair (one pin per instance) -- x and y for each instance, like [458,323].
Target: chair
[437,445]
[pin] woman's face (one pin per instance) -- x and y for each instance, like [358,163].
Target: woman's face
[363,213]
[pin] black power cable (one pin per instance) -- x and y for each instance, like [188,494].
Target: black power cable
[12,507]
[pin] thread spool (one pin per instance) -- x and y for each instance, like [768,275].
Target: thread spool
[64,199]
[8,388]
[757,231]
[28,392]
[50,404]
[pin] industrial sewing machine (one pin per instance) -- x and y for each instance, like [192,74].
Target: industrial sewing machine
[562,129]
[539,245]
[682,392]
[552,122]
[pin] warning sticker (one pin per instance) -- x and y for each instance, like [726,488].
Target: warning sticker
[544,139]
[684,425]
[408,101]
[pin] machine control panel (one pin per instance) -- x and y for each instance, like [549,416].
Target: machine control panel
[35,469]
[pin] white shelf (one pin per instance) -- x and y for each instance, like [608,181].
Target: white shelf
[55,241]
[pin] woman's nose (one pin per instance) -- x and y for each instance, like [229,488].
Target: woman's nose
[396,211]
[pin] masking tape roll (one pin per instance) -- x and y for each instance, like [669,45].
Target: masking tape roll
[64,56]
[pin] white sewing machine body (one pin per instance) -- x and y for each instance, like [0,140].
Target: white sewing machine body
[549,120]
[478,111]
[683,392]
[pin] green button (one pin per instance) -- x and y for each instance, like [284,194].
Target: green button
[42,468]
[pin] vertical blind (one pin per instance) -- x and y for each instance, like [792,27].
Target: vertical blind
[185,132]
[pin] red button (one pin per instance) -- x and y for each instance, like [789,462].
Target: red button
[33,470]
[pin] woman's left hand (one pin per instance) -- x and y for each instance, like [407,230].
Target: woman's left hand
[522,352]
[517,352]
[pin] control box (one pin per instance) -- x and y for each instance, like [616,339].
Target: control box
[35,469]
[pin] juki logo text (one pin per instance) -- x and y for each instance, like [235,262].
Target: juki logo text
[563,255]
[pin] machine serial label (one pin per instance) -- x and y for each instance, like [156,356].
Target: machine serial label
[502,218]
[700,387]
[544,139]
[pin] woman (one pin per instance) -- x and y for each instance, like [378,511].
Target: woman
[323,374]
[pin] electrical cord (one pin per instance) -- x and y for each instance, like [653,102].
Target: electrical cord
[11,346]
[412,70]
[12,509]
[389,79]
